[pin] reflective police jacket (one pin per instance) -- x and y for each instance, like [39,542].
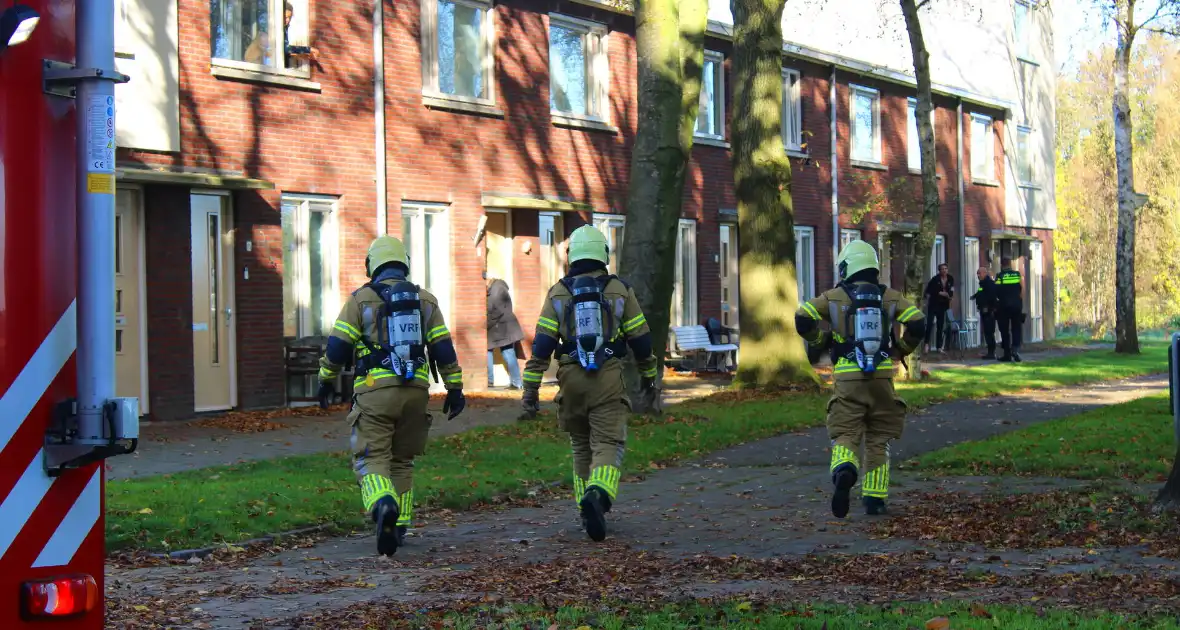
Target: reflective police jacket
[349,328]
[985,295]
[832,305]
[1009,293]
[553,332]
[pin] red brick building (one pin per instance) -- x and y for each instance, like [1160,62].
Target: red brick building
[250,186]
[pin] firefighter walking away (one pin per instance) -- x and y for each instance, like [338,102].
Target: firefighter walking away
[589,320]
[396,332]
[864,406]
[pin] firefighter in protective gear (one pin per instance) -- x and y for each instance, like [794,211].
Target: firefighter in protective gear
[1010,314]
[396,333]
[590,319]
[861,314]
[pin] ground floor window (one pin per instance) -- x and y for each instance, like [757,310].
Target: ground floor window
[805,261]
[1036,296]
[847,236]
[310,272]
[551,230]
[684,295]
[611,226]
[426,234]
[937,254]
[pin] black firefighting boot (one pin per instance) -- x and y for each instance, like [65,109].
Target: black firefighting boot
[594,506]
[844,477]
[385,513]
[1016,356]
[1007,358]
[874,506]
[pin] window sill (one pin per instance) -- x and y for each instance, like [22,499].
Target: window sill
[985,182]
[1031,62]
[873,166]
[918,171]
[1029,186]
[272,77]
[578,122]
[710,141]
[461,105]
[796,153]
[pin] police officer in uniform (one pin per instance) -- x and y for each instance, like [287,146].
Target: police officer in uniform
[396,331]
[861,313]
[589,320]
[1010,313]
[985,301]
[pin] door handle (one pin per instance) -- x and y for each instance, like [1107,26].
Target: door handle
[229,313]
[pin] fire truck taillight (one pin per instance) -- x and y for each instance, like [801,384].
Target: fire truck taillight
[59,597]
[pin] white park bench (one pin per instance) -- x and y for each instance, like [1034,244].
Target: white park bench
[693,343]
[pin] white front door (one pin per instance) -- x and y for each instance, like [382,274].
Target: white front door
[684,290]
[130,346]
[611,226]
[805,262]
[427,237]
[311,297]
[212,264]
[729,275]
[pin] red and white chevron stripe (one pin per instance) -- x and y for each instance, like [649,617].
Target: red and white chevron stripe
[48,526]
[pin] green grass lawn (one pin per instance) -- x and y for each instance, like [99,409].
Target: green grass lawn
[1132,440]
[742,616]
[235,503]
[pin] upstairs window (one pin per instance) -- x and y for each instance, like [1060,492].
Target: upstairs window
[1022,31]
[913,149]
[457,49]
[1025,172]
[711,114]
[866,124]
[259,34]
[792,111]
[578,70]
[983,144]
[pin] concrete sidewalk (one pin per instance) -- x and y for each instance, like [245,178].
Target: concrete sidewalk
[762,500]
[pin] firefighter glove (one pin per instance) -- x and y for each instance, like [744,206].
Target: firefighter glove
[531,401]
[326,394]
[455,403]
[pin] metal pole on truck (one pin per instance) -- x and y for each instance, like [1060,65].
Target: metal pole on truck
[95,33]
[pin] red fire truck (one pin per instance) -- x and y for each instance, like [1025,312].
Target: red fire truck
[59,417]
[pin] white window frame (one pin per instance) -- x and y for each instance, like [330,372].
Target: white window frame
[330,252]
[595,46]
[1022,39]
[853,91]
[552,262]
[729,307]
[605,224]
[989,149]
[685,286]
[1025,154]
[430,60]
[792,110]
[440,259]
[913,147]
[299,33]
[717,107]
[937,254]
[1036,289]
[805,258]
[970,288]
[847,236]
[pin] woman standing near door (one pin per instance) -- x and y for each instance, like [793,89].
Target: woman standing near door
[503,332]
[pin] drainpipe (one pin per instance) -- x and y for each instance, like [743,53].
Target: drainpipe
[963,270]
[379,113]
[835,177]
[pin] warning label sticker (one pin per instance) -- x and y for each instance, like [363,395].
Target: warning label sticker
[100,135]
[102,183]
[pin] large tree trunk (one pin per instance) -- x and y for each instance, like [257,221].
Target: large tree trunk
[772,353]
[670,41]
[919,261]
[1126,333]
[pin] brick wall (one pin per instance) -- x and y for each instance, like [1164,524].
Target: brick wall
[168,251]
[321,143]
